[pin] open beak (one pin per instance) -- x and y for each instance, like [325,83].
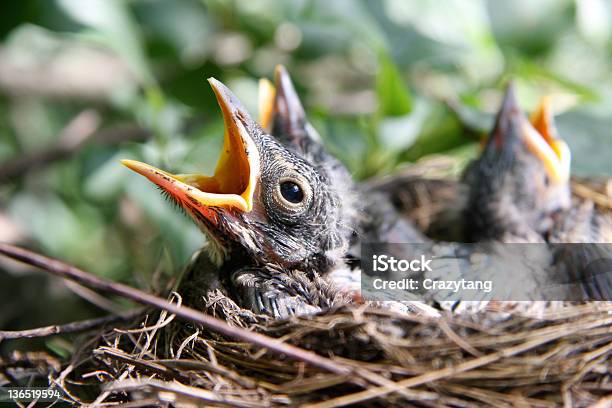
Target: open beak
[540,136]
[554,152]
[267,95]
[279,104]
[235,178]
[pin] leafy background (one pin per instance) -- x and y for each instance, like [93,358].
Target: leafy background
[385,83]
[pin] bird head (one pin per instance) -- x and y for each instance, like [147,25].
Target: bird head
[522,175]
[264,201]
[282,115]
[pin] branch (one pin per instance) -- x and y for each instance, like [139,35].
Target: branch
[93,297]
[66,271]
[73,327]
[71,138]
[79,131]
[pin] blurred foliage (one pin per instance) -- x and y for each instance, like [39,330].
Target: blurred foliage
[385,82]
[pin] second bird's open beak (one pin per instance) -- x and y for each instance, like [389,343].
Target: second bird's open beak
[280,108]
[267,96]
[234,181]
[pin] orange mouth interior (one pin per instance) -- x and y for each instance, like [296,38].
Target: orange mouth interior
[543,141]
[234,181]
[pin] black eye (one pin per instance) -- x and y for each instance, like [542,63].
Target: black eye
[290,198]
[291,192]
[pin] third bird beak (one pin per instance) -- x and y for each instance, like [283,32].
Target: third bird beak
[543,141]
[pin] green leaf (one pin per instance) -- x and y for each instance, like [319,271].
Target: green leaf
[393,95]
[112,22]
[59,347]
[399,133]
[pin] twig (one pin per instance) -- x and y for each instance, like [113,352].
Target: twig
[63,270]
[73,327]
[92,297]
[79,131]
[598,198]
[204,365]
[72,137]
[148,366]
[181,394]
[457,339]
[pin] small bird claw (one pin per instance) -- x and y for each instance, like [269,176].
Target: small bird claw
[259,294]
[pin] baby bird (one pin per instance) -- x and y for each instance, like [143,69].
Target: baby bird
[582,223]
[374,217]
[520,188]
[520,191]
[283,218]
[519,182]
[524,168]
[275,218]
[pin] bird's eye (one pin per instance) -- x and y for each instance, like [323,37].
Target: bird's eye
[292,195]
[291,192]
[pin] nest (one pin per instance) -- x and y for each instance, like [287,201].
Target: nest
[561,356]
[485,359]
